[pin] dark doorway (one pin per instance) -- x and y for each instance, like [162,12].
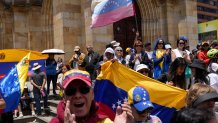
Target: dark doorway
[125,29]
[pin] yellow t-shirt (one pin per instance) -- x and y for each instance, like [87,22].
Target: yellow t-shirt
[106,120]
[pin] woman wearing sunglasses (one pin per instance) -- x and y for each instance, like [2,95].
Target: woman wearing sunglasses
[79,106]
[141,106]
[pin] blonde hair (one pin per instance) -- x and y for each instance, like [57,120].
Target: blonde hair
[196,91]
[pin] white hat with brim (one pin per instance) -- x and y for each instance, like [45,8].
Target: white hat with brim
[77,48]
[141,66]
[36,66]
[116,44]
[168,46]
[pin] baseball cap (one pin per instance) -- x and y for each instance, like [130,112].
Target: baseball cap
[72,75]
[76,48]
[141,66]
[183,38]
[139,98]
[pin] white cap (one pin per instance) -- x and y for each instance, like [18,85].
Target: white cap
[141,66]
[109,50]
[168,46]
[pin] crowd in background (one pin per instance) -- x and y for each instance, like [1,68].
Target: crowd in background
[195,71]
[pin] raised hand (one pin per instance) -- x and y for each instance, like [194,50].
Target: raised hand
[68,117]
[124,114]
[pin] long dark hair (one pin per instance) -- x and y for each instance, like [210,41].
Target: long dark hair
[178,80]
[201,76]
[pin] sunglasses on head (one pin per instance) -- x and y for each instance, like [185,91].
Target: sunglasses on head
[82,90]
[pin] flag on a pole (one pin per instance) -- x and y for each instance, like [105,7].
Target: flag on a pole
[12,85]
[110,11]
[114,82]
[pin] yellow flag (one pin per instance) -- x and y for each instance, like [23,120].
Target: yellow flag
[22,69]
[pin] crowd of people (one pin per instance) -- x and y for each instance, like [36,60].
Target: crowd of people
[195,71]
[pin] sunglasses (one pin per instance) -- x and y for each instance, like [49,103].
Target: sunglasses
[160,43]
[82,90]
[119,50]
[144,111]
[181,42]
[143,71]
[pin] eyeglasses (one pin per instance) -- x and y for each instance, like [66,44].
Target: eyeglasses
[119,50]
[138,45]
[82,90]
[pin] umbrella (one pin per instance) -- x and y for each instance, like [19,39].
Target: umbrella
[53,51]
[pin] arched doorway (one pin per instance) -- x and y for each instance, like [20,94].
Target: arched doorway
[125,29]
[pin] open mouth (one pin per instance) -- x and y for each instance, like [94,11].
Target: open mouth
[78,105]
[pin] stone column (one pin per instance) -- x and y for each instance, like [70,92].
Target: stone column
[188,24]
[20,30]
[67,25]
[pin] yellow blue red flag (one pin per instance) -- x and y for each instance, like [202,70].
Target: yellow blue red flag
[12,85]
[9,58]
[114,82]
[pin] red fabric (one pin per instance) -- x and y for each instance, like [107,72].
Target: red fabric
[104,108]
[94,116]
[203,56]
[1,111]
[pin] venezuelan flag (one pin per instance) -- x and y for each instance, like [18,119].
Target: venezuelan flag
[12,85]
[10,57]
[114,82]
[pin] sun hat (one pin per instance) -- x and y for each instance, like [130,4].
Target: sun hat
[76,48]
[141,66]
[139,98]
[36,66]
[198,64]
[205,97]
[72,75]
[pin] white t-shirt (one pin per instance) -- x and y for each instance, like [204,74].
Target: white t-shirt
[178,53]
[149,54]
[60,78]
[137,62]
[127,59]
[213,77]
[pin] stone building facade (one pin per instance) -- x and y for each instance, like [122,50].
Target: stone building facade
[64,24]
